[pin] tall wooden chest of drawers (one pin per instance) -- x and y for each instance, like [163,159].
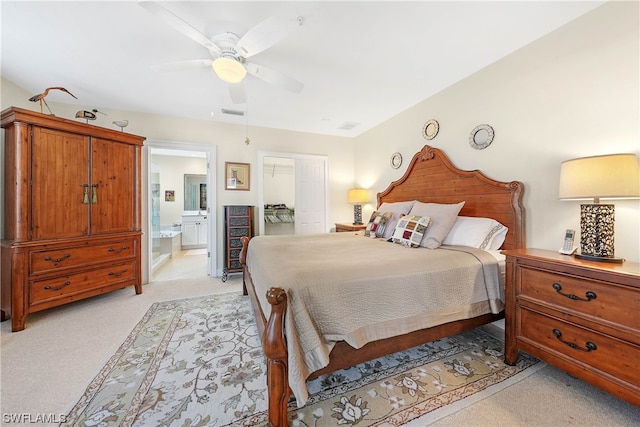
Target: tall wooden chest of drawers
[580,316]
[72,219]
[238,222]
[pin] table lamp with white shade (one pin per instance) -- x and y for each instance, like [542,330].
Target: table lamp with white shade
[612,176]
[357,196]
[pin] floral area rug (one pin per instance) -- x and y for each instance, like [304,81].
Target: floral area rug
[198,362]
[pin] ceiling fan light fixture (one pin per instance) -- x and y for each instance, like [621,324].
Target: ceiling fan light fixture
[229,70]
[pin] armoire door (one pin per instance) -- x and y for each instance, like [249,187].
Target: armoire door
[114,187]
[59,174]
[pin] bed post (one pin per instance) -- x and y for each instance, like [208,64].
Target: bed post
[243,261]
[275,351]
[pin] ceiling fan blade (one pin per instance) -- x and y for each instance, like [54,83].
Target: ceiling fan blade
[275,78]
[179,24]
[236,90]
[261,37]
[181,65]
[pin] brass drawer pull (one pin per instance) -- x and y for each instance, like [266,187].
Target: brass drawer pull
[589,346]
[111,273]
[124,248]
[589,295]
[57,259]
[57,288]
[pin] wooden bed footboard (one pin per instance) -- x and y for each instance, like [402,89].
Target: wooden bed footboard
[274,343]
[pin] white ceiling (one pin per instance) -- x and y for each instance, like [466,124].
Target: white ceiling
[361,61]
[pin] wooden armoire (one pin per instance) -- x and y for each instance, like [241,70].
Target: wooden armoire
[72,223]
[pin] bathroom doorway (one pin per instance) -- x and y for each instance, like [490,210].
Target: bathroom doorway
[181,211]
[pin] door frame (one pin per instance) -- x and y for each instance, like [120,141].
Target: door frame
[295,156]
[210,152]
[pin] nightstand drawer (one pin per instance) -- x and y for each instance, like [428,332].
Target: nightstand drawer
[615,357]
[590,297]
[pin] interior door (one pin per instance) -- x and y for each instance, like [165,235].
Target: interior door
[310,190]
[59,174]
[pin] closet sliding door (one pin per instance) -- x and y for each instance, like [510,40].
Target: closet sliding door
[292,193]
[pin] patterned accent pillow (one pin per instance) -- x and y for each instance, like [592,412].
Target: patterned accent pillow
[410,230]
[399,209]
[377,224]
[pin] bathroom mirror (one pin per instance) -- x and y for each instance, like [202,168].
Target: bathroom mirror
[195,192]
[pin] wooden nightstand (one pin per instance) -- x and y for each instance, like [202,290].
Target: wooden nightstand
[340,227]
[580,316]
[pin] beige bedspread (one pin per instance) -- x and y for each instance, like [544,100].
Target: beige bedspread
[344,286]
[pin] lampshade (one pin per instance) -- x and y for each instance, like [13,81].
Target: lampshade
[613,176]
[358,195]
[229,70]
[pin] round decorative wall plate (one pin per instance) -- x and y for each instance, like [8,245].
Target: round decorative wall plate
[396,160]
[481,137]
[430,129]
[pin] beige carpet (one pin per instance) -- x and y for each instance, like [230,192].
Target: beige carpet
[46,368]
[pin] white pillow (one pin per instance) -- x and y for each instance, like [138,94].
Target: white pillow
[399,209]
[496,237]
[442,217]
[482,233]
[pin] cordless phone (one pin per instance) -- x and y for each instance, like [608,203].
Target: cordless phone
[567,247]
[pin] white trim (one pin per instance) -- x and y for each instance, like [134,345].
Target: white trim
[210,152]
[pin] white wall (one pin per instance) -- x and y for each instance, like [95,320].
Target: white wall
[279,181]
[571,94]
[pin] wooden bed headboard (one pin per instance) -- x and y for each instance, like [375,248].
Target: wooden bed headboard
[432,178]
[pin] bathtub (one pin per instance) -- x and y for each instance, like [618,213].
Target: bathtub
[167,241]
[166,234]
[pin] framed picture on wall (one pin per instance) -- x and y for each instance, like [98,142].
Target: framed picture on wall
[169,196]
[237,176]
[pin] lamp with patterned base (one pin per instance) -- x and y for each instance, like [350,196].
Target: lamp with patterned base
[613,176]
[357,196]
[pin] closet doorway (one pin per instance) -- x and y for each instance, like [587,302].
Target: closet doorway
[293,196]
[181,211]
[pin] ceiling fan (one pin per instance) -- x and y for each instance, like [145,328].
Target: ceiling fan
[230,53]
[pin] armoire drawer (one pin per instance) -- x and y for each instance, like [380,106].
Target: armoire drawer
[613,356]
[45,290]
[582,295]
[45,261]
